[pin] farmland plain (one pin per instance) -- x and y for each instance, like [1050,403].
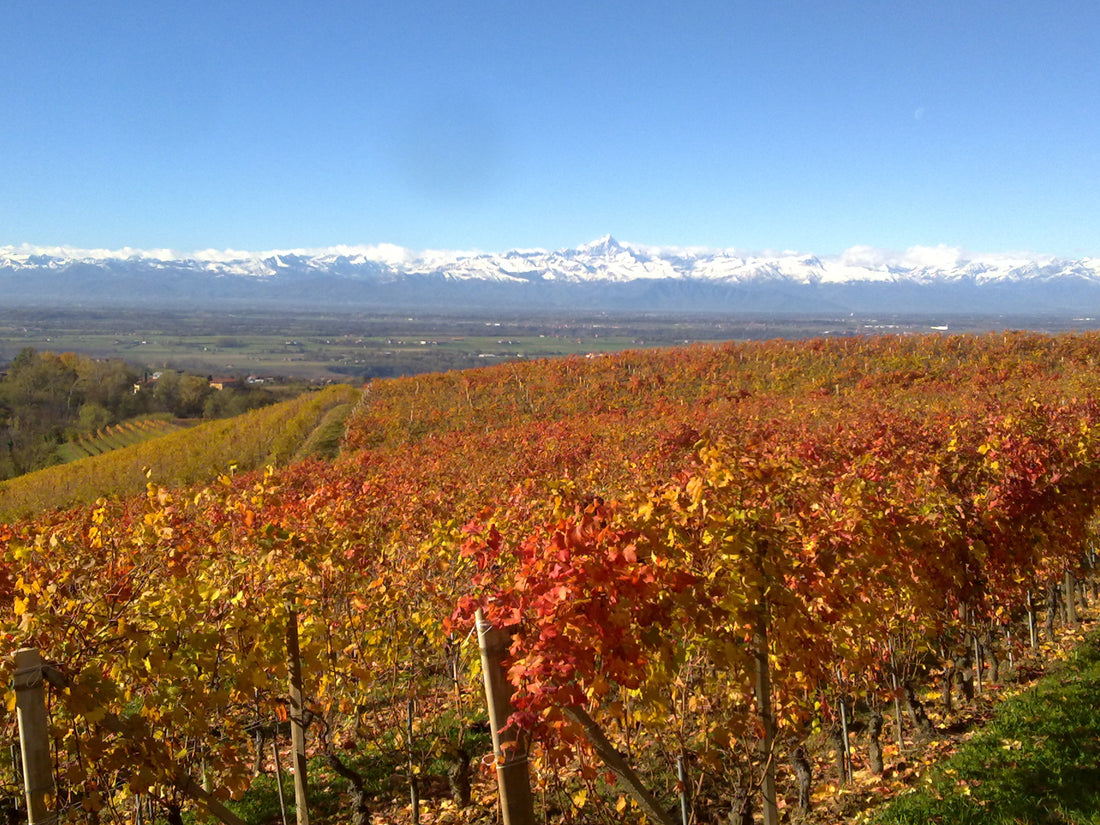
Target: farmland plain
[355,346]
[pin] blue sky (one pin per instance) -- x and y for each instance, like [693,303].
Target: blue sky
[809,126]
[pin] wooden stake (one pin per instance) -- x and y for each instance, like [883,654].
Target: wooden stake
[846,744]
[297,720]
[685,797]
[1031,622]
[977,664]
[456,679]
[1070,595]
[517,806]
[897,699]
[34,735]
[414,788]
[767,717]
[1090,556]
[278,774]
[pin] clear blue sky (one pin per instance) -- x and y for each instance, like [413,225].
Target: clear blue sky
[810,126]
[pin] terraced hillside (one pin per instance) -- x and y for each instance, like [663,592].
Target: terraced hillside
[117,436]
[311,424]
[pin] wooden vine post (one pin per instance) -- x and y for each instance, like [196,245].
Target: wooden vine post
[517,805]
[845,739]
[34,735]
[1070,595]
[897,698]
[767,716]
[279,776]
[978,664]
[297,718]
[685,796]
[1031,629]
[414,788]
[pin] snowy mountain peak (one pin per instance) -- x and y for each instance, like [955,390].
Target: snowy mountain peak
[600,274]
[606,246]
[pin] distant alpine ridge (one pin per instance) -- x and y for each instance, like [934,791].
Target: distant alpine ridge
[604,275]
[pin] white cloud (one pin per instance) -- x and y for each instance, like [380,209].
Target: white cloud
[677,251]
[933,257]
[219,255]
[73,252]
[866,256]
[387,253]
[915,257]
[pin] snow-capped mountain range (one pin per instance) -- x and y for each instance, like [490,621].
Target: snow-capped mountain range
[603,275]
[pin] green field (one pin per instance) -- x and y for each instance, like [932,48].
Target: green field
[334,347]
[352,347]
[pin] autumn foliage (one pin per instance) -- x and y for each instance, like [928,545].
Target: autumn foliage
[657,531]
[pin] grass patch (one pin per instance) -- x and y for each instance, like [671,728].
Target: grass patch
[1038,760]
[325,440]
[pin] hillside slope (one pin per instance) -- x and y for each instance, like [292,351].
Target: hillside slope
[271,435]
[707,551]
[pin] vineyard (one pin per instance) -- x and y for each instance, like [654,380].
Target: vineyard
[116,437]
[122,459]
[709,565]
